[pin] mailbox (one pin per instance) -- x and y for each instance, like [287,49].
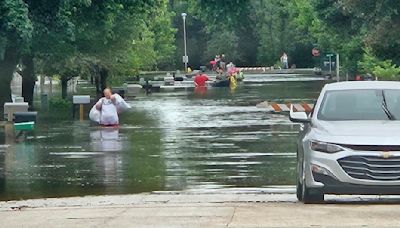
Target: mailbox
[81,99]
[18,99]
[11,108]
[133,90]
[21,117]
[168,80]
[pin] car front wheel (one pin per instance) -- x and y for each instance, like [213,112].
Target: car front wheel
[299,191]
[312,195]
[299,186]
[309,195]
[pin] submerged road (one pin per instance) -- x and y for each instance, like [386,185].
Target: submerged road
[201,209]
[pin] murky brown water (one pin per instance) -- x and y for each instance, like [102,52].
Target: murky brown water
[169,141]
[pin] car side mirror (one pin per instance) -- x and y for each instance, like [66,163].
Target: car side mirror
[298,117]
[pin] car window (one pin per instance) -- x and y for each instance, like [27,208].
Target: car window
[393,102]
[358,105]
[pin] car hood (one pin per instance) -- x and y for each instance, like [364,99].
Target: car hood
[358,132]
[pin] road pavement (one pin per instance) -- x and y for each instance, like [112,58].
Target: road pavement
[206,209]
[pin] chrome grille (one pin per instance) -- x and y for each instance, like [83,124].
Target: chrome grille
[372,167]
[373,148]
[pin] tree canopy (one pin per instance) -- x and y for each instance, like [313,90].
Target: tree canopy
[87,38]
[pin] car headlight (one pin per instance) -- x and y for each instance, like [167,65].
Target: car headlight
[325,147]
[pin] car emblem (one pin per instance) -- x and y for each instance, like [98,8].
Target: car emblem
[386,154]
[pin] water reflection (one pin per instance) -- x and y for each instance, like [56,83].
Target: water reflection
[169,141]
[106,139]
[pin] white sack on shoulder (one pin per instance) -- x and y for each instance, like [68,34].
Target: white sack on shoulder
[121,103]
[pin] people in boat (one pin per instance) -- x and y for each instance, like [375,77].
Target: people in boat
[107,106]
[222,63]
[213,65]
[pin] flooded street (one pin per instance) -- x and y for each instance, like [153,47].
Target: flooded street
[176,140]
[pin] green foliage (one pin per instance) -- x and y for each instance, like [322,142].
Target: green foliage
[368,62]
[382,69]
[220,15]
[278,65]
[57,104]
[248,32]
[213,27]
[224,43]
[84,37]
[351,26]
[164,37]
[15,26]
[387,70]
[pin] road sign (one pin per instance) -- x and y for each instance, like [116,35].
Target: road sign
[329,55]
[185,59]
[315,52]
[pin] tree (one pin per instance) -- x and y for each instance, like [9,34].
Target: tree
[96,38]
[226,20]
[164,37]
[351,26]
[109,31]
[52,39]
[381,69]
[248,32]
[15,35]
[273,30]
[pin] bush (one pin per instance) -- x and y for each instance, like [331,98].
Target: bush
[59,104]
[383,69]
[278,65]
[386,70]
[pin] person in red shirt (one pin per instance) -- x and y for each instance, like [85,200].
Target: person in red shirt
[200,80]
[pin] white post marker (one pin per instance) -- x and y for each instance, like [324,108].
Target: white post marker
[337,67]
[330,64]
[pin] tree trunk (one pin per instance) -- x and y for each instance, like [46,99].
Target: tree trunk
[98,90]
[95,78]
[5,92]
[28,79]
[64,87]
[7,67]
[103,78]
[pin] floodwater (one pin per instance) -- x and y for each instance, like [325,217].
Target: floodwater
[176,140]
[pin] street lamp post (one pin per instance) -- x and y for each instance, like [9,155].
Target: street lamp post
[185,57]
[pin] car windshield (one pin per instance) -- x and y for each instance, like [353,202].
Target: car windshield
[373,104]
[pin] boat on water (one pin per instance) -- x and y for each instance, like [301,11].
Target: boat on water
[221,83]
[230,81]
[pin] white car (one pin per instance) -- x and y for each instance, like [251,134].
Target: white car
[350,143]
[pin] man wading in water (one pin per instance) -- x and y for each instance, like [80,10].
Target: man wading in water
[107,106]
